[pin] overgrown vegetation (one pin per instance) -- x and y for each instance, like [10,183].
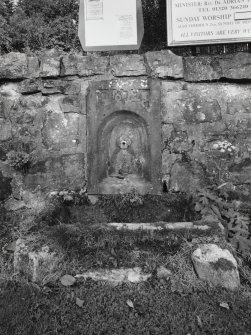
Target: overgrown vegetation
[20,156]
[38,24]
[34,25]
[214,204]
[43,24]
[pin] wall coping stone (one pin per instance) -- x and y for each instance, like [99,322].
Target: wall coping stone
[207,68]
[158,64]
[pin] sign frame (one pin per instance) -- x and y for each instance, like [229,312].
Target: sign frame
[82,31]
[172,42]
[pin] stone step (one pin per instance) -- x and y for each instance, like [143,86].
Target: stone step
[116,276]
[41,262]
[212,264]
[161,225]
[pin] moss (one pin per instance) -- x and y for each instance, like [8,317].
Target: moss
[222,264]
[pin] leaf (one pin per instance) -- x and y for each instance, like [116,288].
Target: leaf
[79,302]
[67,280]
[113,253]
[198,207]
[239,230]
[130,303]
[199,322]
[224,305]
[216,211]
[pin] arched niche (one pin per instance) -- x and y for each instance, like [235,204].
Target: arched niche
[123,153]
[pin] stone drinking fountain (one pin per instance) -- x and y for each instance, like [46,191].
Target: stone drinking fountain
[124,138]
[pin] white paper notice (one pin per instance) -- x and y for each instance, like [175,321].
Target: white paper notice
[208,21]
[118,25]
[94,10]
[125,26]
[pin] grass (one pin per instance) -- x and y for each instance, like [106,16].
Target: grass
[134,208]
[158,308]
[91,247]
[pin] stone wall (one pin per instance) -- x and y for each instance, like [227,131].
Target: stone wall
[205,109]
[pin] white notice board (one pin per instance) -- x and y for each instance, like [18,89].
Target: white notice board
[109,23]
[191,22]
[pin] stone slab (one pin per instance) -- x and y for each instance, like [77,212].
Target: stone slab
[165,64]
[216,266]
[127,65]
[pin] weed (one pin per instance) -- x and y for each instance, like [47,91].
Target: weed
[213,204]
[21,156]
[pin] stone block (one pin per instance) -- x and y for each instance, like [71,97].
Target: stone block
[5,107]
[166,134]
[168,86]
[241,172]
[165,64]
[65,132]
[5,187]
[240,103]
[168,160]
[58,86]
[198,109]
[30,86]
[50,64]
[172,107]
[33,70]
[202,68]
[57,173]
[216,266]
[187,177]
[13,65]
[236,66]
[70,104]
[117,276]
[38,264]
[5,130]
[72,87]
[53,86]
[69,65]
[127,65]
[189,106]
[91,65]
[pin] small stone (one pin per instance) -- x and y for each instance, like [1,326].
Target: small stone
[163,273]
[79,302]
[216,266]
[93,199]
[38,266]
[224,305]
[13,205]
[67,280]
